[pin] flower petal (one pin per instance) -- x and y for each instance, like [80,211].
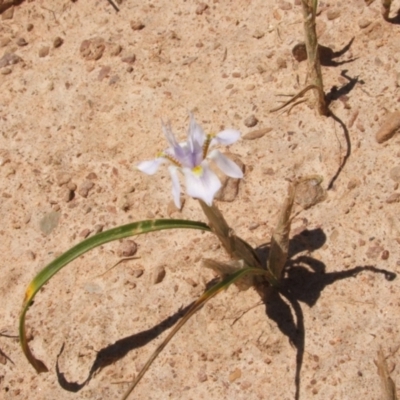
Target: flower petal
[226,137]
[227,166]
[150,167]
[176,149]
[176,187]
[169,134]
[202,183]
[196,135]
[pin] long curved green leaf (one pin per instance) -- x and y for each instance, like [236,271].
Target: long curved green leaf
[51,269]
[199,303]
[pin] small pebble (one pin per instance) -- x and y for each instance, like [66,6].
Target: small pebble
[92,49]
[57,42]
[236,374]
[132,285]
[31,255]
[390,126]
[49,222]
[353,183]
[251,121]
[62,178]
[29,27]
[98,228]
[71,186]
[137,25]
[285,5]
[115,49]
[201,8]
[258,34]
[253,226]
[309,192]
[44,51]
[104,72]
[87,209]
[393,198]
[85,187]
[268,171]
[158,275]
[137,273]
[385,255]
[21,42]
[91,175]
[360,126]
[259,133]
[364,23]
[9,59]
[129,59]
[127,249]
[6,71]
[85,233]
[333,14]
[395,174]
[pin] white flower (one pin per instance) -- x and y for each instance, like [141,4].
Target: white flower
[192,158]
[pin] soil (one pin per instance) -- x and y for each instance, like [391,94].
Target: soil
[83,89]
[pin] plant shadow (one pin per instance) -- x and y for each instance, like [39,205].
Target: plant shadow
[304,280]
[118,350]
[327,55]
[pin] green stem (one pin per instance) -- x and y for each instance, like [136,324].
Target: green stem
[236,247]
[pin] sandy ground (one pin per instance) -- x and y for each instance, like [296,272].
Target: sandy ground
[80,104]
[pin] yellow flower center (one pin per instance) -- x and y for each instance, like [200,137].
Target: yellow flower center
[198,170]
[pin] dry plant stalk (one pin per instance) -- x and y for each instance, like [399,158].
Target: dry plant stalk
[314,65]
[386,9]
[388,385]
[280,238]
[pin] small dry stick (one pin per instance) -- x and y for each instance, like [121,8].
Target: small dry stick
[298,95]
[113,5]
[314,65]
[117,263]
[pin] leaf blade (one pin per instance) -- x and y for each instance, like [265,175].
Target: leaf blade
[56,265]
